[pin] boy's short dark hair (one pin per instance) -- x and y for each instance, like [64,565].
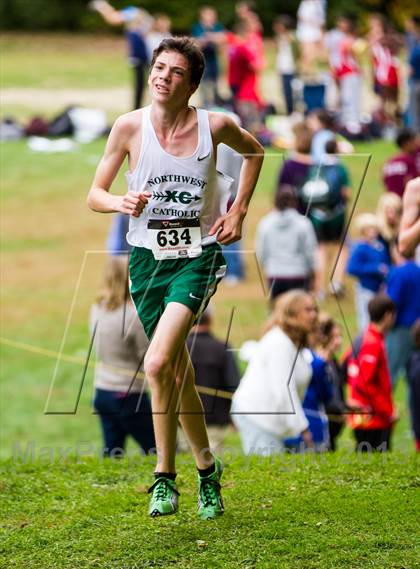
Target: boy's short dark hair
[405,135]
[189,49]
[378,306]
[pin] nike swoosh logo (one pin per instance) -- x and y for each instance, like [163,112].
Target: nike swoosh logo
[195,297]
[200,158]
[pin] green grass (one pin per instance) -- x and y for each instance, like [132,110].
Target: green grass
[59,61]
[323,512]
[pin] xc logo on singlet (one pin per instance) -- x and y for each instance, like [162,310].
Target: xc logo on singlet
[174,196]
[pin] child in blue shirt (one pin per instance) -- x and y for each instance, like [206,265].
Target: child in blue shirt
[318,394]
[369,263]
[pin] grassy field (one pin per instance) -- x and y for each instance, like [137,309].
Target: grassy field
[91,514]
[325,512]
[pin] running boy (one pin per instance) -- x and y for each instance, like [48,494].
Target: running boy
[176,226]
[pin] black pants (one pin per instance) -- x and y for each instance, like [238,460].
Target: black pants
[372,440]
[334,429]
[279,286]
[286,80]
[122,416]
[139,73]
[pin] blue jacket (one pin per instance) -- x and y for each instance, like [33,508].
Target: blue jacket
[365,262]
[403,287]
[137,49]
[318,394]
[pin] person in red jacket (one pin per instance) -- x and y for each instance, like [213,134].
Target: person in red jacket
[369,380]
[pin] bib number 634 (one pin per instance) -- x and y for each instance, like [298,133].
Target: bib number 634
[173,237]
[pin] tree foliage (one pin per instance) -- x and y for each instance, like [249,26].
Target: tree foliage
[74,15]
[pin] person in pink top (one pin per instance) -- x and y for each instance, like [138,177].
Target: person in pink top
[243,67]
[385,45]
[347,73]
[246,13]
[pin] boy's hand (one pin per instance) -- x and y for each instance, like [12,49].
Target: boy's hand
[133,203]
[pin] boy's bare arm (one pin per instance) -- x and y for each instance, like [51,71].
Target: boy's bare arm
[409,236]
[117,148]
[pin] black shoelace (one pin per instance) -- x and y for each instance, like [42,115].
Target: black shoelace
[209,490]
[163,487]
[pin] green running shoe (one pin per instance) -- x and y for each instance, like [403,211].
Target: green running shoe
[164,500]
[210,504]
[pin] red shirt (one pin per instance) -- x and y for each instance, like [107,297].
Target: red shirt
[347,63]
[398,171]
[370,383]
[385,66]
[243,73]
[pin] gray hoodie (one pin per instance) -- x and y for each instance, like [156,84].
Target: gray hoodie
[286,244]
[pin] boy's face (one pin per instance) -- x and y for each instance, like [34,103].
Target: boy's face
[170,78]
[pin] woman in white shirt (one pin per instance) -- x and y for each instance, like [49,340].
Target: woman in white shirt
[267,406]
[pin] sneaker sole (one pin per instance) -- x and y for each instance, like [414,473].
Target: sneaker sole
[157,514]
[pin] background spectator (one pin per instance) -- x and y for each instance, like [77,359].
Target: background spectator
[385,44]
[246,13]
[120,342]
[286,58]
[159,30]
[243,67]
[296,167]
[369,263]
[137,23]
[229,163]
[267,406]
[348,75]
[400,169]
[209,34]
[325,195]
[322,125]
[388,213]
[286,246]
[318,394]
[216,369]
[413,56]
[370,382]
[117,241]
[328,344]
[309,32]
[403,287]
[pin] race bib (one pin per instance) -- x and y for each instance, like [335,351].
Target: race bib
[174,239]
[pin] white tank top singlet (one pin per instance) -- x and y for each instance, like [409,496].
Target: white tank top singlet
[181,187]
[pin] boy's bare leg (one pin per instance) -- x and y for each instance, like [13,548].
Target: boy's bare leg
[161,360]
[191,412]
